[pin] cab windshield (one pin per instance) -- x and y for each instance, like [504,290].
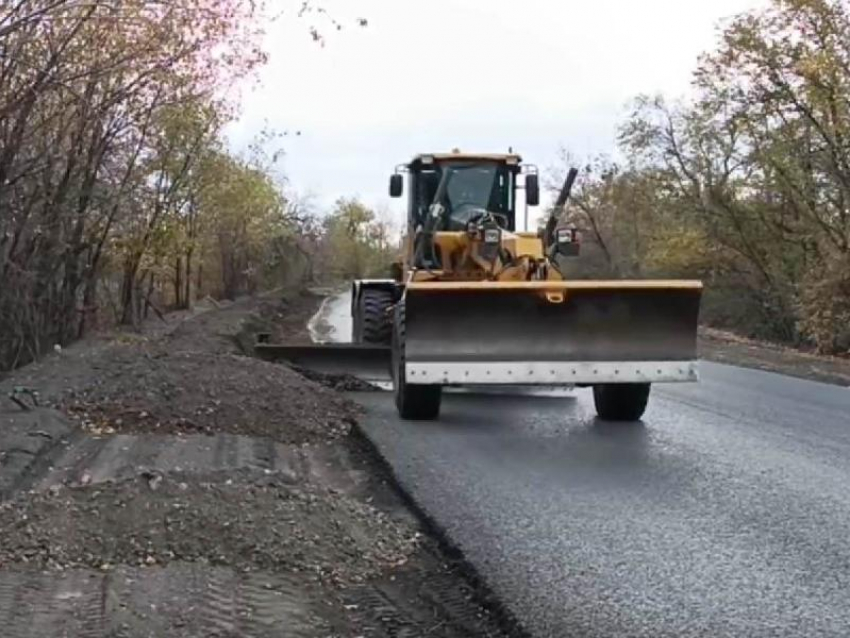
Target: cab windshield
[468,190]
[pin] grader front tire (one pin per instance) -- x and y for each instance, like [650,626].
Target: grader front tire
[621,401]
[414,402]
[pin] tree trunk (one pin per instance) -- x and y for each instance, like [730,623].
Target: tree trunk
[128,295]
[178,283]
[147,300]
[89,304]
[187,294]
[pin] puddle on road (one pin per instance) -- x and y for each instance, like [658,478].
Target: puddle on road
[332,322]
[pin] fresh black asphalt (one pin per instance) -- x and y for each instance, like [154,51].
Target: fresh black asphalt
[726,512]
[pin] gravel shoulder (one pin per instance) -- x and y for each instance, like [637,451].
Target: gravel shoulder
[163,483]
[726,347]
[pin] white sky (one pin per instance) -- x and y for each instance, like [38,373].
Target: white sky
[480,75]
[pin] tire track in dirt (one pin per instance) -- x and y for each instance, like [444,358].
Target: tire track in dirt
[97,460]
[269,604]
[37,604]
[155,602]
[410,605]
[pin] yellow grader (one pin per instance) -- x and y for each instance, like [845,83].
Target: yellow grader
[476,302]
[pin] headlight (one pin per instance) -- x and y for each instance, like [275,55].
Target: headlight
[566,235]
[492,236]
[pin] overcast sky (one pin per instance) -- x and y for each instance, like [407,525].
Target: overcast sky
[479,75]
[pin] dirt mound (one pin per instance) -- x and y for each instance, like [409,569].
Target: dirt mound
[338,382]
[244,520]
[212,331]
[200,392]
[282,319]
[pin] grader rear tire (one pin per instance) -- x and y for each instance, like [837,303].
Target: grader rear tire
[373,321]
[413,402]
[621,401]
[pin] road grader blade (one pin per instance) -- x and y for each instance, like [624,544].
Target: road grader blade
[551,332]
[365,361]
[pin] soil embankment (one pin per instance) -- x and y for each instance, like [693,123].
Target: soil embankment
[166,484]
[727,347]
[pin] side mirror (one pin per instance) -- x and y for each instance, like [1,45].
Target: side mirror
[567,242]
[532,190]
[396,185]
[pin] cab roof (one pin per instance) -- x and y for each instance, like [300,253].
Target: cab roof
[504,158]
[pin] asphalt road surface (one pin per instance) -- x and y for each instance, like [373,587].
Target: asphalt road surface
[726,512]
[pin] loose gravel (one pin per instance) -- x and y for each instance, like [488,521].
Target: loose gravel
[243,520]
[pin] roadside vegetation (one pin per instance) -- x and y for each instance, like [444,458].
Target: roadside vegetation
[119,195]
[163,481]
[745,185]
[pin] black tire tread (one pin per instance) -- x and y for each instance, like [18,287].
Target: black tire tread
[414,402]
[621,401]
[376,324]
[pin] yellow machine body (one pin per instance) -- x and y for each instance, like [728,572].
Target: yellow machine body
[508,316]
[473,301]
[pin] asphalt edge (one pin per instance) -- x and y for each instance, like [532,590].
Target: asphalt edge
[483,594]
